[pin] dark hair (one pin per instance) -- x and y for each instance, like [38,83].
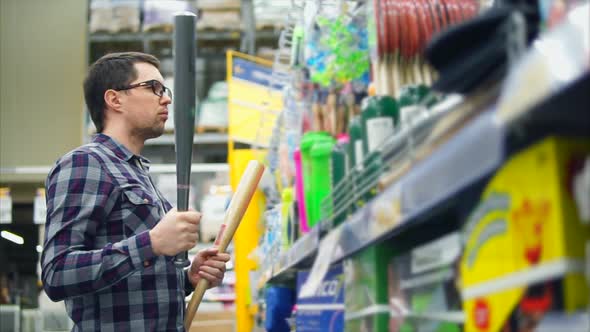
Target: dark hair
[112,71]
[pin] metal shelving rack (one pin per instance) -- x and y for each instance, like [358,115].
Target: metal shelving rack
[436,183]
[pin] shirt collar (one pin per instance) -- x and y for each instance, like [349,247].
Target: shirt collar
[119,149]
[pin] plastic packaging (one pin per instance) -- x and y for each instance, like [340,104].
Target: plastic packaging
[300,193]
[557,58]
[320,177]
[287,226]
[355,148]
[365,294]
[380,117]
[307,142]
[279,303]
[339,168]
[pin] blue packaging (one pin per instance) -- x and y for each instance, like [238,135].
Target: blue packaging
[323,312]
[279,303]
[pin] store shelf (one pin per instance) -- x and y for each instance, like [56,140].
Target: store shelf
[300,255]
[467,158]
[206,138]
[470,156]
[209,35]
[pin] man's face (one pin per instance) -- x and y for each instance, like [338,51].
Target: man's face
[145,112]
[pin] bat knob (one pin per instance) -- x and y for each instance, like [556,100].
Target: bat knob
[181,260]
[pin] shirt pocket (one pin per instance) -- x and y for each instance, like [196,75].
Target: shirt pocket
[139,210]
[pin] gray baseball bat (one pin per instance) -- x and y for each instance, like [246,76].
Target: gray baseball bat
[184,110]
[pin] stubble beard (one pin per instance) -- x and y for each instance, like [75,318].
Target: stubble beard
[147,133]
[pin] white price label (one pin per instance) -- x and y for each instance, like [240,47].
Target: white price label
[39,210]
[378,129]
[321,265]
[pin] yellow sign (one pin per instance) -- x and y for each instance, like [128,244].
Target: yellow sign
[253,104]
[526,232]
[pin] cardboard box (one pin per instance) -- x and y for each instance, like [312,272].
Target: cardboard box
[524,243]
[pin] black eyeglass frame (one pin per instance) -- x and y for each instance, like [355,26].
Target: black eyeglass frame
[152,84]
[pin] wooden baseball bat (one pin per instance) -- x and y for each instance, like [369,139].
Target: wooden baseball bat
[233,216]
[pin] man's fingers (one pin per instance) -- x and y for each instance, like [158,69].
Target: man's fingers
[192,217]
[223,257]
[193,228]
[215,264]
[210,251]
[213,280]
[212,271]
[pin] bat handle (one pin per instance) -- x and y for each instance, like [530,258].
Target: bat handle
[181,260]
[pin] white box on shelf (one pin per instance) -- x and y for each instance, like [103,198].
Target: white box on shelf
[158,15]
[39,207]
[10,318]
[113,16]
[5,206]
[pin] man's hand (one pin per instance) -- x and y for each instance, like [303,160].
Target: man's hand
[208,264]
[176,232]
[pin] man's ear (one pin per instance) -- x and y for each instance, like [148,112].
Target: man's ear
[112,99]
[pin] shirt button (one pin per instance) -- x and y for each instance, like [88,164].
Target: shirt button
[146,263]
[145,200]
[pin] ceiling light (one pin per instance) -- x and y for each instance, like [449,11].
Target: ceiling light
[12,237]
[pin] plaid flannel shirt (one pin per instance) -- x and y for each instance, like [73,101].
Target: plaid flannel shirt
[97,255]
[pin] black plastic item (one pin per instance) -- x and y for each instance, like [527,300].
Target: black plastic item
[475,51]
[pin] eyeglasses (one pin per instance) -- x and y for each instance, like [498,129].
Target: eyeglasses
[157,88]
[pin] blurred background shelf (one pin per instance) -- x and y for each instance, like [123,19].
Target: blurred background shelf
[205,138]
[207,35]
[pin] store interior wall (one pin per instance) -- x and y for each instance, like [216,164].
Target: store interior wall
[42,64]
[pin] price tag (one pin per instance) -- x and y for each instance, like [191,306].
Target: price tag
[321,264]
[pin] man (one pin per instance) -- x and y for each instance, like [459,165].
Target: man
[110,236]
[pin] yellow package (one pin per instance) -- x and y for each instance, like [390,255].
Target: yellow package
[524,243]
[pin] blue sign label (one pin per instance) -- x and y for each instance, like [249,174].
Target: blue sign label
[323,312]
[253,72]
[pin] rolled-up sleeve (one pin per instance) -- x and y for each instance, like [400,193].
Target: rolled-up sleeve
[80,196]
